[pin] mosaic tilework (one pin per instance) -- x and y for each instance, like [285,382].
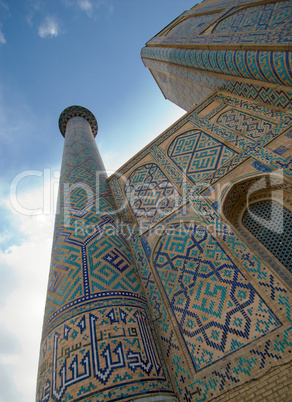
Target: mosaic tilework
[183,93]
[176,176]
[253,361]
[247,145]
[281,150]
[267,66]
[257,93]
[200,78]
[268,17]
[183,86]
[204,7]
[236,198]
[250,360]
[79,229]
[256,148]
[170,339]
[232,137]
[217,309]
[248,125]
[265,353]
[273,288]
[276,235]
[192,26]
[198,154]
[97,338]
[253,25]
[150,194]
[269,23]
[108,347]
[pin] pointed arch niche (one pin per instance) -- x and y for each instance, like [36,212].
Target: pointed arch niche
[260,209]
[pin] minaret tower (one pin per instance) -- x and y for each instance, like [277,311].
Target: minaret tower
[98,342]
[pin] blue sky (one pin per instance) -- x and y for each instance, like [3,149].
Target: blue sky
[54,54]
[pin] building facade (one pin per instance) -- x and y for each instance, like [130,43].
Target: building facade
[171,279]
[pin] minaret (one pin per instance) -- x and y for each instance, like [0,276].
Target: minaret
[98,342]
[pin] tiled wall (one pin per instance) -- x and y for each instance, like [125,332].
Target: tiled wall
[223,314]
[243,44]
[98,341]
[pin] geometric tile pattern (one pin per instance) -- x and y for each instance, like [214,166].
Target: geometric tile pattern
[192,25]
[97,339]
[281,150]
[184,87]
[269,17]
[170,344]
[265,95]
[269,23]
[109,347]
[176,176]
[216,307]
[251,25]
[238,140]
[270,223]
[182,92]
[259,65]
[225,373]
[235,202]
[248,125]
[258,358]
[257,149]
[198,154]
[150,194]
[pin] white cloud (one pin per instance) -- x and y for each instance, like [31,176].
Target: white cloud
[2,37]
[90,7]
[24,273]
[49,28]
[4,12]
[86,6]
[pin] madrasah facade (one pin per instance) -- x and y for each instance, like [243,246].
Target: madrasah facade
[171,279]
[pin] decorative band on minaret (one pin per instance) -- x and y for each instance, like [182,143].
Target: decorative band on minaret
[98,342]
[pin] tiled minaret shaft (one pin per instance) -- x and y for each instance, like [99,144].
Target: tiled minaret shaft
[98,343]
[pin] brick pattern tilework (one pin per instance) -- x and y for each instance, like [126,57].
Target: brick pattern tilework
[262,355]
[217,309]
[98,341]
[170,339]
[259,65]
[237,195]
[189,275]
[272,17]
[183,93]
[249,145]
[250,126]
[150,194]
[198,154]
[274,386]
[192,26]
[186,44]
[264,95]
[185,261]
[192,76]
[178,302]
[255,24]
[184,86]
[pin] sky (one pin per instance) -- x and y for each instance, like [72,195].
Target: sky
[54,54]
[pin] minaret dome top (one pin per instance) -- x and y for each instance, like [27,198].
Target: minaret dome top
[74,111]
